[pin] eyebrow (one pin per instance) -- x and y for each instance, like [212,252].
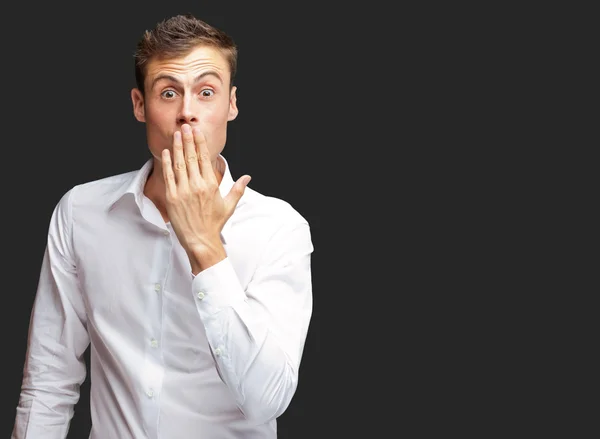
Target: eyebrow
[176,81]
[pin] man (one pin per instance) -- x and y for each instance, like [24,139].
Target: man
[192,290]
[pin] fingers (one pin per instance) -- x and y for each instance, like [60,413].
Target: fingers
[179,165]
[168,174]
[206,168]
[191,156]
[189,166]
[236,192]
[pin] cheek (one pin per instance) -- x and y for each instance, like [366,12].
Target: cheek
[217,118]
[157,116]
[212,120]
[208,123]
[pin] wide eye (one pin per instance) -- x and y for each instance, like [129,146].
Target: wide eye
[207,93]
[168,94]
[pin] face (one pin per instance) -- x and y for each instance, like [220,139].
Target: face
[193,89]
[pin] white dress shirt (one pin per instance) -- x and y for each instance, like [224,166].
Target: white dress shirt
[172,355]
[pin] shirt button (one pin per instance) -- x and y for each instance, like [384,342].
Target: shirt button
[157,288]
[166,233]
[153,343]
[200,295]
[218,352]
[150,393]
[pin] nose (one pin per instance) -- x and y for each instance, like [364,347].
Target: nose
[186,113]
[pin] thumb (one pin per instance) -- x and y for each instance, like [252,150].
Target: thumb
[236,192]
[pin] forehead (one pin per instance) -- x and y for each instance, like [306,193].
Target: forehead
[197,60]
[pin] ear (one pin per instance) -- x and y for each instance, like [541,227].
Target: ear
[138,105]
[233,109]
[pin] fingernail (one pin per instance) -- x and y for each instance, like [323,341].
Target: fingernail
[186,129]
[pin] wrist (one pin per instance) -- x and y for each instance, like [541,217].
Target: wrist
[204,257]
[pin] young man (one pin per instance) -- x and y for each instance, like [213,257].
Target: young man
[193,290]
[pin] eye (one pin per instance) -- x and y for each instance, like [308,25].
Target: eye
[168,94]
[207,93]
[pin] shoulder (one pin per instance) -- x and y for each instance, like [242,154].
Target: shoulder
[104,190]
[99,193]
[270,210]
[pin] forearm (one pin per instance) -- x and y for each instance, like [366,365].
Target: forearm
[252,362]
[46,405]
[54,366]
[52,377]
[255,354]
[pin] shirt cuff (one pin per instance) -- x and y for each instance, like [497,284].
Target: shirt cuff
[218,286]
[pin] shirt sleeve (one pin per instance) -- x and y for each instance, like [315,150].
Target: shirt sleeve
[257,335]
[54,365]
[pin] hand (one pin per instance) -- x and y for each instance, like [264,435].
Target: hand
[193,202]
